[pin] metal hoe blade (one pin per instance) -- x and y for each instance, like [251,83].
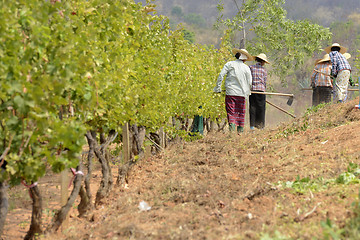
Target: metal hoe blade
[290,101]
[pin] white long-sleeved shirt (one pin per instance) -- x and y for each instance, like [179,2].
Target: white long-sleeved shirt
[238,79]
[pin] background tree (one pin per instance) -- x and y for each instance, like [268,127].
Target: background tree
[266,28]
[177,11]
[195,19]
[188,35]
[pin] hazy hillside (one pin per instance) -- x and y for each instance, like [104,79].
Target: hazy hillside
[205,12]
[206,8]
[324,11]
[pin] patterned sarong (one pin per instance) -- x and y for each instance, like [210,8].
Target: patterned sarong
[235,108]
[341,85]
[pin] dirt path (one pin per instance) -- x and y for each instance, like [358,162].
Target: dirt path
[272,183]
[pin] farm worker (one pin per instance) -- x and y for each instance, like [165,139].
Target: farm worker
[341,70]
[321,81]
[237,85]
[257,102]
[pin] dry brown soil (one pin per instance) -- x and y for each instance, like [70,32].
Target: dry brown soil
[223,186]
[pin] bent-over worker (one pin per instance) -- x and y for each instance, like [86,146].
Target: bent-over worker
[321,81]
[341,70]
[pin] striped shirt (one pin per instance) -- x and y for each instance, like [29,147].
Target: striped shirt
[319,76]
[259,76]
[339,62]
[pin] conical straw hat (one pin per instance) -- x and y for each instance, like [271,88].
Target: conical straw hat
[243,51]
[347,55]
[325,58]
[262,56]
[342,49]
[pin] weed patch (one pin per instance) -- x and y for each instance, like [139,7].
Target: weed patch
[351,229]
[303,185]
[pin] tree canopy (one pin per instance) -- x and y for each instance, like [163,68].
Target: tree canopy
[264,27]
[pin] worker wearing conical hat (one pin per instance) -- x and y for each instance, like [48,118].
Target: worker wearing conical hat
[341,70]
[237,85]
[321,81]
[257,102]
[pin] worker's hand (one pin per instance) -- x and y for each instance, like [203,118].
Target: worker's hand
[351,82]
[219,91]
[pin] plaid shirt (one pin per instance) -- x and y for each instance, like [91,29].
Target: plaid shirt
[321,80]
[339,62]
[259,76]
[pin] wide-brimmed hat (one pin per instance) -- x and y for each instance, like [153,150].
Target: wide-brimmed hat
[342,49]
[262,56]
[347,55]
[243,51]
[325,58]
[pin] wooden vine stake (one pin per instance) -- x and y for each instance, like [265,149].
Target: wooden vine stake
[126,142]
[64,183]
[162,137]
[147,151]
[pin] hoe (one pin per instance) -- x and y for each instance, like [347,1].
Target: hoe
[289,101]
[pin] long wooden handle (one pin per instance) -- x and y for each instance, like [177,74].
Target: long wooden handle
[283,110]
[322,73]
[272,93]
[349,89]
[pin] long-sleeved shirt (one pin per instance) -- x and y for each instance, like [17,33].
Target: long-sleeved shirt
[321,75]
[339,62]
[259,77]
[238,79]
